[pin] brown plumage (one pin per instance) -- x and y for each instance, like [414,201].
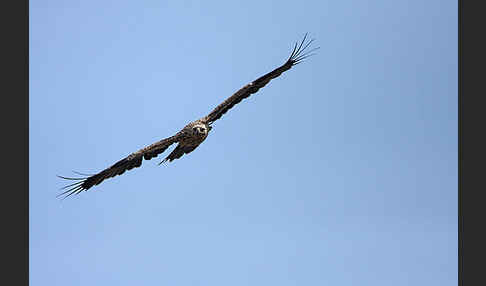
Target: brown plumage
[192,134]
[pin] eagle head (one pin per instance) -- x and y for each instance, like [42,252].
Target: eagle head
[201,129]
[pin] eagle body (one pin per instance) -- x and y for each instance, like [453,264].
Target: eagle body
[193,134]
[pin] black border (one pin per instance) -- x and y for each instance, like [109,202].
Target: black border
[471,158]
[15,144]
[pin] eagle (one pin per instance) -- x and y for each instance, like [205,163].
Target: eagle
[193,134]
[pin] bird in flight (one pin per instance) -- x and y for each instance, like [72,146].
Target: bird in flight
[193,134]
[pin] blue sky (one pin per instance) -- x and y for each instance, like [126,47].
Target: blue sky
[342,171]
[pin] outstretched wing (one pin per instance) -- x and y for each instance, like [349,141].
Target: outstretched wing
[296,57]
[133,160]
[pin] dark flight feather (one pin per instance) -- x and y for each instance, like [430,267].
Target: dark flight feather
[298,54]
[133,160]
